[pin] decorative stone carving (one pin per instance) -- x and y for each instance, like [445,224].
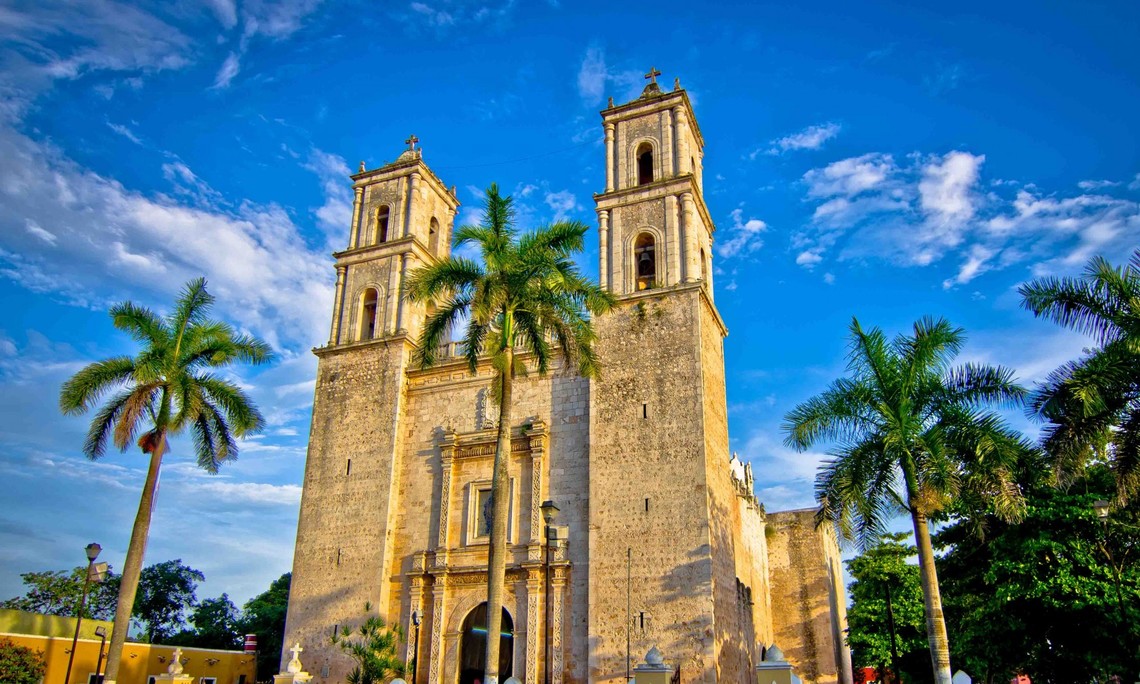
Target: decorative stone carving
[486,411]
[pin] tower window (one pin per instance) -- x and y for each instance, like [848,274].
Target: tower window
[645,261]
[704,267]
[368,314]
[382,224]
[644,164]
[433,235]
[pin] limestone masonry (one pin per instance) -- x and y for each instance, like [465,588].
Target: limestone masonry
[659,539]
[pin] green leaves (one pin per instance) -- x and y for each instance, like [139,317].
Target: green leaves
[375,648]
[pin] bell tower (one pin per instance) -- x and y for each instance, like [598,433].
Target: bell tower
[653,224]
[664,509]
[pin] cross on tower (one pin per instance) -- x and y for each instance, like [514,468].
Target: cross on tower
[411,142]
[652,75]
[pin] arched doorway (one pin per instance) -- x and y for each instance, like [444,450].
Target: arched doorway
[473,647]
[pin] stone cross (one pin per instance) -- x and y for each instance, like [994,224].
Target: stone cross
[175,666]
[362,169]
[411,142]
[295,664]
[653,74]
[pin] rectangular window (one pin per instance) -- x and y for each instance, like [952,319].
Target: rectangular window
[93,678]
[479,512]
[209,680]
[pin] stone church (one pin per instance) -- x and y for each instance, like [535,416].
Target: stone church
[655,538]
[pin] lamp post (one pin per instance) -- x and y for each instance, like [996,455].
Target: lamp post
[93,550]
[1102,507]
[549,513]
[100,632]
[416,620]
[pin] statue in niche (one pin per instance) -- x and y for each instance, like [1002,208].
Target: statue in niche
[486,410]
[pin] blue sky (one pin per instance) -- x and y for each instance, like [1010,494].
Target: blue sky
[880,160]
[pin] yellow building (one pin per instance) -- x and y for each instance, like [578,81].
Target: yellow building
[52,635]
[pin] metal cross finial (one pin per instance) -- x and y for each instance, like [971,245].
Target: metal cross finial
[653,74]
[411,142]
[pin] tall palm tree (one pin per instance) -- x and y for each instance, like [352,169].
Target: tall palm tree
[166,389]
[526,298]
[1092,405]
[912,435]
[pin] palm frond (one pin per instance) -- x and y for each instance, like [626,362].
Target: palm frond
[193,306]
[84,389]
[103,425]
[140,323]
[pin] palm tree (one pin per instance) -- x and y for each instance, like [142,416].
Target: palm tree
[1092,405]
[912,437]
[166,389]
[526,298]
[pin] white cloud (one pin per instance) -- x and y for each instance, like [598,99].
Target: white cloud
[125,132]
[829,278]
[743,237]
[434,17]
[229,69]
[562,202]
[810,138]
[1097,184]
[946,191]
[334,216]
[276,19]
[225,11]
[594,76]
[35,229]
[849,177]
[808,258]
[1135,184]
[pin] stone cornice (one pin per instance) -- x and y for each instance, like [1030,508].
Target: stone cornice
[675,185]
[405,245]
[640,107]
[389,340]
[660,292]
[403,168]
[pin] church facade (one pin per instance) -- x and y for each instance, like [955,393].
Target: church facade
[658,540]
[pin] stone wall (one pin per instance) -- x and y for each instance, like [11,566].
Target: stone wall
[808,600]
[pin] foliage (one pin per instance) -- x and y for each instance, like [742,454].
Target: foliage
[20,665]
[168,388]
[881,569]
[526,296]
[912,436]
[1091,406]
[264,615]
[57,592]
[374,646]
[166,591]
[1040,597]
[216,624]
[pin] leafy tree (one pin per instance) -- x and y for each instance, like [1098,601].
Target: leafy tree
[882,574]
[166,389]
[1052,596]
[20,665]
[526,296]
[264,615]
[166,591]
[1092,405]
[912,436]
[374,646]
[57,592]
[216,624]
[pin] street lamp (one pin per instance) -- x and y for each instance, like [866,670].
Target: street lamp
[416,620]
[1101,507]
[549,513]
[92,550]
[100,632]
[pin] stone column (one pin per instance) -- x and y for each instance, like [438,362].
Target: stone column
[357,210]
[682,140]
[447,458]
[417,604]
[413,188]
[619,156]
[609,157]
[668,159]
[672,242]
[558,586]
[338,305]
[617,254]
[604,245]
[692,249]
[438,593]
[535,616]
[401,326]
[537,447]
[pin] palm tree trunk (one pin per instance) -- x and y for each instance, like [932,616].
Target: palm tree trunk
[497,557]
[132,566]
[935,623]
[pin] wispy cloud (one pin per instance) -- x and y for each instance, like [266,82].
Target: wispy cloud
[810,138]
[125,132]
[229,69]
[563,203]
[743,237]
[594,76]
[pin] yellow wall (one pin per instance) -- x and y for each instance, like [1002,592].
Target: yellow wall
[23,622]
[139,660]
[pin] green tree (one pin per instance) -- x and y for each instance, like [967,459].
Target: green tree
[911,436]
[526,298]
[20,665]
[1053,596]
[374,646]
[168,388]
[215,622]
[57,592]
[166,591]
[882,574]
[264,615]
[1091,406]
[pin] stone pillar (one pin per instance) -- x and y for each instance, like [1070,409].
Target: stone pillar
[619,156]
[653,670]
[692,250]
[416,605]
[413,188]
[357,210]
[604,246]
[401,325]
[609,157]
[672,242]
[668,158]
[536,437]
[535,635]
[682,140]
[447,458]
[338,305]
[558,587]
[435,668]
[617,254]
